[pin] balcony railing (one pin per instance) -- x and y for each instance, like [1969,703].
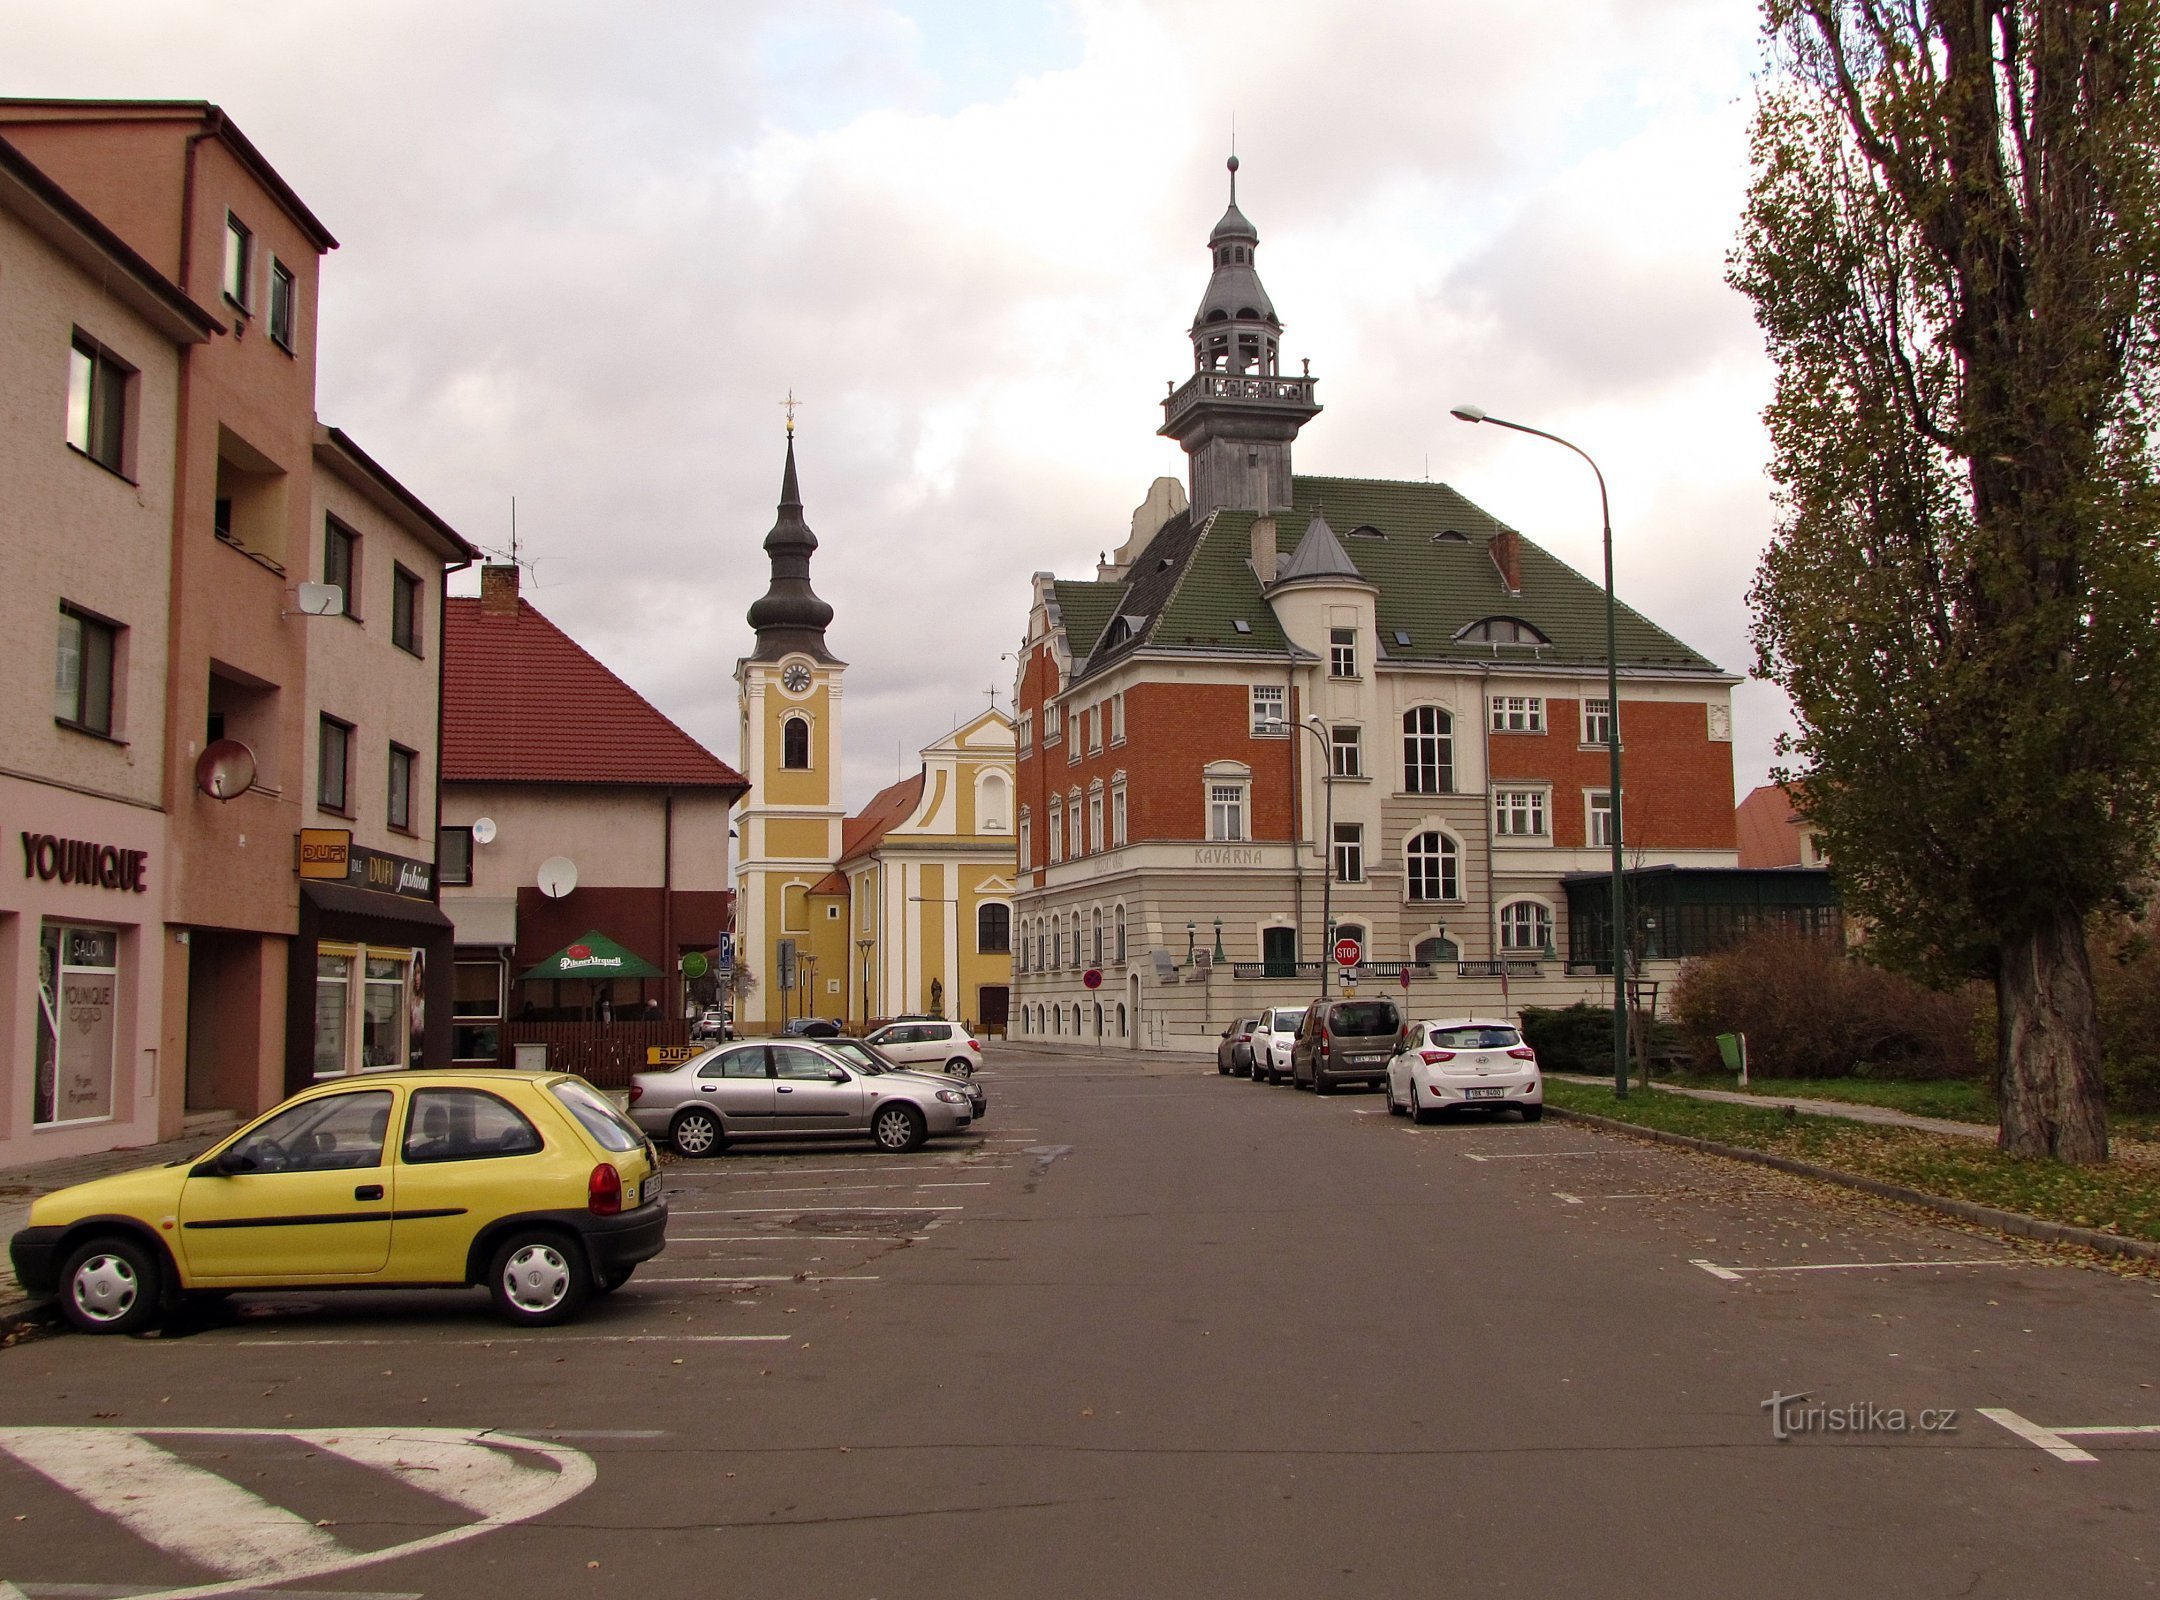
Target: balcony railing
[1311,969]
[1496,969]
[1270,389]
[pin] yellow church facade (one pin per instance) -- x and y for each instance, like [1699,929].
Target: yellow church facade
[904,908]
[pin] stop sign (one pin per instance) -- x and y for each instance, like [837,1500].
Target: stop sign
[1347,952]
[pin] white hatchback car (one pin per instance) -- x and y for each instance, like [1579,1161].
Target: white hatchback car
[936,1044]
[1271,1040]
[1464,1061]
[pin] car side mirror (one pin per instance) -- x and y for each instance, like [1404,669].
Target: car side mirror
[838,1075]
[228,1165]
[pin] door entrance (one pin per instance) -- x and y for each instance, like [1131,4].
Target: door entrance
[1278,952]
[993,1003]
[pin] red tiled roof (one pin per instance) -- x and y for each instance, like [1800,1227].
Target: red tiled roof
[524,702]
[887,809]
[1769,828]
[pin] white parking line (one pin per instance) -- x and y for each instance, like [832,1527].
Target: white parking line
[781,1278]
[1735,1274]
[1576,1199]
[537,1339]
[2048,1439]
[825,1211]
[1536,1155]
[858,1188]
[794,1238]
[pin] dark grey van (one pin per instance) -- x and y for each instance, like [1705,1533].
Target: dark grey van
[1344,1041]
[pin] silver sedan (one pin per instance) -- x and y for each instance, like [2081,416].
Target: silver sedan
[791,1089]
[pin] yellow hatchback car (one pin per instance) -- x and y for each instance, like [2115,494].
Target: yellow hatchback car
[532,1184]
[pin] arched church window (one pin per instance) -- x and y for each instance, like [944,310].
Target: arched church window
[795,743]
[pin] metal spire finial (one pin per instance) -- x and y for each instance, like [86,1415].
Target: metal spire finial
[788,405]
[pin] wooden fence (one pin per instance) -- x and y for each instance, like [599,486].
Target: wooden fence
[604,1054]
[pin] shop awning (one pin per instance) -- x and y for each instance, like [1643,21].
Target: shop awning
[346,900]
[593,955]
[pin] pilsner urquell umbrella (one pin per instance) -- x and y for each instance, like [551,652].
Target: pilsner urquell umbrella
[593,955]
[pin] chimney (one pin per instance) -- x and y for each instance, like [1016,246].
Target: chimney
[499,589]
[1264,555]
[1505,548]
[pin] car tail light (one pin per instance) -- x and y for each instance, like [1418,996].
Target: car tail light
[1523,1052]
[975,1045]
[1433,1058]
[1323,1044]
[603,1191]
[637,1091]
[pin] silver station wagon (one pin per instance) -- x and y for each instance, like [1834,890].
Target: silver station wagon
[792,1089]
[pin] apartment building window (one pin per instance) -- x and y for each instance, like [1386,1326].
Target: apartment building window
[1120,926]
[1095,817]
[1050,724]
[1095,936]
[1024,731]
[993,929]
[1432,864]
[1519,813]
[97,403]
[333,765]
[1117,717]
[239,255]
[1226,810]
[1597,722]
[1342,652]
[476,1008]
[341,562]
[1518,713]
[1079,737]
[284,303]
[1598,830]
[795,744]
[1057,829]
[1345,753]
[1117,814]
[1428,751]
[453,856]
[1525,926]
[405,591]
[1270,710]
[83,671]
[1027,838]
[1349,852]
[1076,821]
[401,787]
[1096,717]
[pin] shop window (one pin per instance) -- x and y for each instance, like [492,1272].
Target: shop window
[77,1023]
[333,1006]
[386,1025]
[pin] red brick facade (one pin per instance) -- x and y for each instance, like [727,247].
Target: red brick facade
[1679,783]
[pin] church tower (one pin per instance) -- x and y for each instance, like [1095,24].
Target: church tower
[1237,415]
[788,827]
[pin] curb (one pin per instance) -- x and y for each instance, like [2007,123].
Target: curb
[16,1315]
[2015,1223]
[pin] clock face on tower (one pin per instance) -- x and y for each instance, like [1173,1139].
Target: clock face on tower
[796,678]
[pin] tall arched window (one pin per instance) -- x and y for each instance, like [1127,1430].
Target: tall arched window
[993,929]
[795,743]
[1095,955]
[1428,751]
[1525,925]
[1121,936]
[1431,862]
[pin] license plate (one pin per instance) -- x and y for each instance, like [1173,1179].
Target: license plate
[1484,1094]
[649,1190]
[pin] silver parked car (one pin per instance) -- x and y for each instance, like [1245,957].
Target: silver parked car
[791,1089]
[929,1042]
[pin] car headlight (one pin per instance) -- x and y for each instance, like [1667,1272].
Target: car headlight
[952,1097]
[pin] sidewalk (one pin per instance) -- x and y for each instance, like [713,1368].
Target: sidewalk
[20,1185]
[1882,1116]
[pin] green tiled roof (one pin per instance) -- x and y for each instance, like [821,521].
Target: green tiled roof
[1085,607]
[1430,586]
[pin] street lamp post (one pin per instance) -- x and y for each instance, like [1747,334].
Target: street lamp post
[1469,413]
[1318,729]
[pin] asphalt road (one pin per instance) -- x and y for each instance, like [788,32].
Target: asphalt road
[1150,1332]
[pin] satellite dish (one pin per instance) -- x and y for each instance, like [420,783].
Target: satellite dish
[483,830]
[320,599]
[558,876]
[225,768]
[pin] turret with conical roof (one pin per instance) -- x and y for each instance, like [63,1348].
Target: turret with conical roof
[789,615]
[1237,415]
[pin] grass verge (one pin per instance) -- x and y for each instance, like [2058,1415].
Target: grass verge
[1951,1099]
[2121,1197]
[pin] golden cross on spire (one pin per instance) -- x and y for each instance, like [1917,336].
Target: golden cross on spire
[789,405]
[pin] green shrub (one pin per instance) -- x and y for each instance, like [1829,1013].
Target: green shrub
[1578,1038]
[2126,990]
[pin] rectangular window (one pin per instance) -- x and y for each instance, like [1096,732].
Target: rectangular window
[1050,724]
[1518,713]
[476,1008]
[77,1023]
[1345,753]
[341,562]
[1095,820]
[332,761]
[1599,832]
[1428,751]
[1117,815]
[1056,840]
[97,403]
[454,856]
[284,306]
[1597,722]
[1342,652]
[239,251]
[1079,737]
[83,672]
[1097,716]
[385,1025]
[333,1008]
[401,787]
[1117,718]
[1519,812]
[1024,731]
[1226,811]
[1270,713]
[1349,852]
[1077,845]
[405,589]
[1027,839]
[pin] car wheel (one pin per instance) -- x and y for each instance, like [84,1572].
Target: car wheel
[696,1133]
[898,1128]
[960,1067]
[609,1282]
[1533,1113]
[538,1279]
[1320,1085]
[111,1285]
[1387,1087]
[1222,1068]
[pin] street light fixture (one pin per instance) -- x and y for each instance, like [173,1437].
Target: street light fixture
[1318,729]
[1470,413]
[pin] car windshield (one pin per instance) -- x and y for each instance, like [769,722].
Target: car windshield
[857,1054]
[1363,1019]
[1474,1038]
[610,1127]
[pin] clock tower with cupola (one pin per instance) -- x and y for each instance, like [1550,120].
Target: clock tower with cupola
[788,692]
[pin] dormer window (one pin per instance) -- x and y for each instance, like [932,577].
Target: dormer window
[1501,630]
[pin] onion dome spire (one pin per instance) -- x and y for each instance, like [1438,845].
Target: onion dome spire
[789,615]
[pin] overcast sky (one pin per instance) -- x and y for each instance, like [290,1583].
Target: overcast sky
[587,249]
